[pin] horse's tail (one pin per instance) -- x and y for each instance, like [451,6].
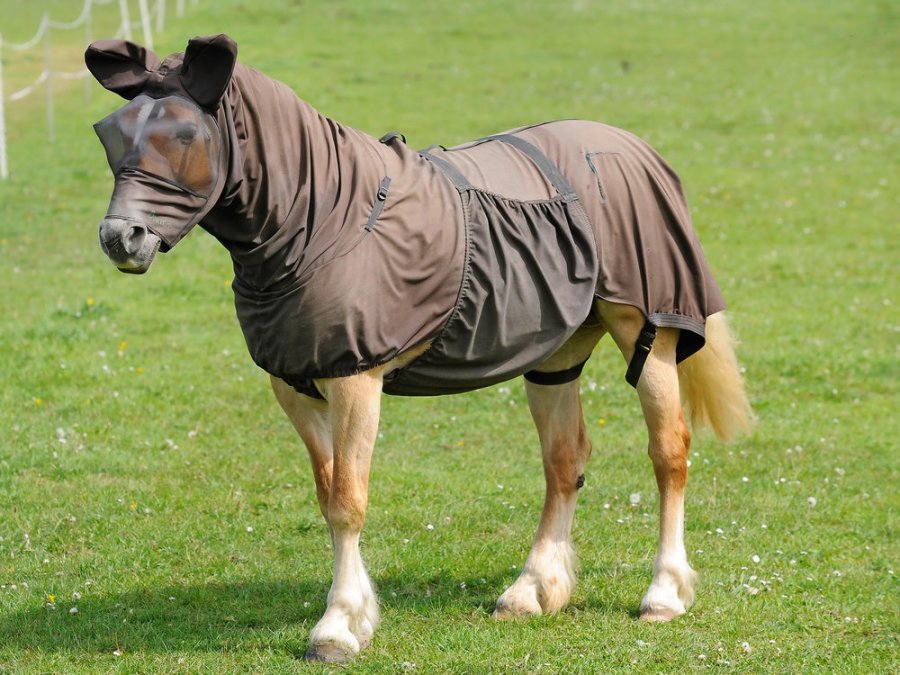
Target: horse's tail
[712,386]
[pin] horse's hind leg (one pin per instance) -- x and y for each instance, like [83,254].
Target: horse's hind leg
[672,588]
[548,576]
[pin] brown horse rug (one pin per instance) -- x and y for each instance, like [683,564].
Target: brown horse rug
[348,251]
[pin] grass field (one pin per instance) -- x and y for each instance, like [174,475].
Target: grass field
[157,513]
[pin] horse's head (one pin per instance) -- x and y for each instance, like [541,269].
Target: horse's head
[165,147]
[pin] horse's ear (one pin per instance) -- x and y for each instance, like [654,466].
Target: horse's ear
[120,66]
[206,71]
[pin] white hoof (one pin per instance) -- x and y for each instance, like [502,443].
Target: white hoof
[670,593]
[544,586]
[518,600]
[332,644]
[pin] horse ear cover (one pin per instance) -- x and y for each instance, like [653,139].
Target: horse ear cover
[207,68]
[121,66]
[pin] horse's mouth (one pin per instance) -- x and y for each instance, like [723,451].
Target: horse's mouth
[135,270]
[141,263]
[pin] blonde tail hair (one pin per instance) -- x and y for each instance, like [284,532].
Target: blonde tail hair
[712,387]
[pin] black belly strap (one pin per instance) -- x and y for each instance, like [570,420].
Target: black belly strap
[557,377]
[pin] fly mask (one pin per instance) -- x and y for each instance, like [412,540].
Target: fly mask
[165,147]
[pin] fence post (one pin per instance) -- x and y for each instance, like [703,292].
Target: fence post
[160,16]
[145,24]
[126,20]
[4,167]
[48,65]
[88,38]
[179,8]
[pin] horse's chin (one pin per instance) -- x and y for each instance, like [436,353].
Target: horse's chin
[141,262]
[134,270]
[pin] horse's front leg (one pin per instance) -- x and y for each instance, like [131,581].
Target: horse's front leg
[347,426]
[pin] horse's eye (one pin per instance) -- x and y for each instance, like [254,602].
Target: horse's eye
[186,133]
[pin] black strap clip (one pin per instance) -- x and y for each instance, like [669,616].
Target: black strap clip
[642,348]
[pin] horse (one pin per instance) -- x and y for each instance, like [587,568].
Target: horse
[363,267]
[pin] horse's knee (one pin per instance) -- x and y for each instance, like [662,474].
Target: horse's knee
[346,509]
[566,459]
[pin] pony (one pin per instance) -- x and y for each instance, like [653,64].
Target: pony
[363,267]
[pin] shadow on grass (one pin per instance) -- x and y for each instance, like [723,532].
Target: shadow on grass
[210,617]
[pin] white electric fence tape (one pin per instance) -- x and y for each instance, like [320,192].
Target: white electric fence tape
[48,74]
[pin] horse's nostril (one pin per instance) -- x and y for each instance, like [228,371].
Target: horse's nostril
[133,239]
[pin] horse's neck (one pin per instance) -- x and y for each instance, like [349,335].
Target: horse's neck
[290,164]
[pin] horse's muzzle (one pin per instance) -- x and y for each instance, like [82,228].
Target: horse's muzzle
[130,246]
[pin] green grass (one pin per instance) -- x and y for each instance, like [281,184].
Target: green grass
[145,466]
